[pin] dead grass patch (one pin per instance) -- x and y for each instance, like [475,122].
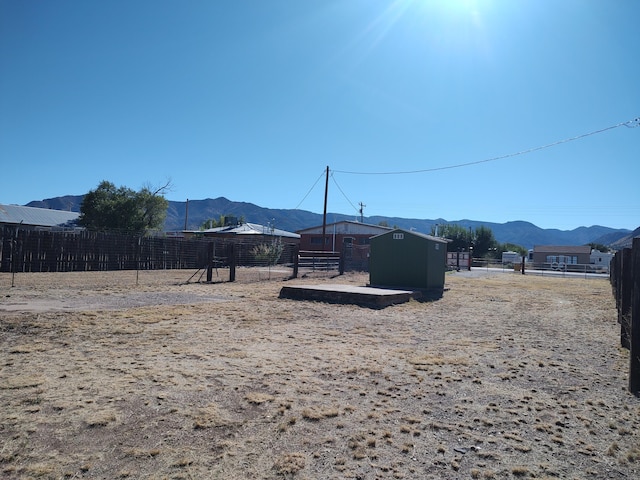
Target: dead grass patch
[315,414]
[289,463]
[506,376]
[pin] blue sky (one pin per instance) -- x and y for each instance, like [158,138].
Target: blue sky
[253,99]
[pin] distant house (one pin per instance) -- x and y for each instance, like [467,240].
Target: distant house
[350,238]
[337,234]
[600,259]
[561,255]
[37,218]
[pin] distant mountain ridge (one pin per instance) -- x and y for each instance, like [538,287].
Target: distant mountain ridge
[518,232]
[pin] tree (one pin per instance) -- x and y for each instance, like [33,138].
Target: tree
[120,209]
[598,246]
[510,247]
[460,237]
[213,223]
[484,244]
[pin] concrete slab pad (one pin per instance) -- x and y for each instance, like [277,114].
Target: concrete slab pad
[348,294]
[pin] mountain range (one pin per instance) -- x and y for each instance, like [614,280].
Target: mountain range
[521,233]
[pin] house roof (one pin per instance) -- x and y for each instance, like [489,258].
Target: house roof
[376,228]
[249,229]
[39,217]
[574,249]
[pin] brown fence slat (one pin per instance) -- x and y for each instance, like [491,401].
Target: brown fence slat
[634,350]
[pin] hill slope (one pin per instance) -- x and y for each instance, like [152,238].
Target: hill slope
[518,232]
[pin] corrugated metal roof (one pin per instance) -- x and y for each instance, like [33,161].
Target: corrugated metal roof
[40,217]
[250,229]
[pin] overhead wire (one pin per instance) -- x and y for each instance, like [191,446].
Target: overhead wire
[630,124]
[312,187]
[343,194]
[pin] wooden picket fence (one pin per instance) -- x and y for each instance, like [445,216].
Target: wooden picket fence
[625,282]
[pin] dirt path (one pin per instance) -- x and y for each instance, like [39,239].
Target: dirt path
[506,376]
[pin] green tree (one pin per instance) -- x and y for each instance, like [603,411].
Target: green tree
[598,246]
[120,209]
[460,238]
[510,247]
[212,223]
[221,222]
[484,243]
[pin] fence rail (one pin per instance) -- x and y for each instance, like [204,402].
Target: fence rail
[542,268]
[625,283]
[319,260]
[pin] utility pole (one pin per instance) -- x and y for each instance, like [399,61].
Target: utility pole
[186,214]
[324,215]
[362,205]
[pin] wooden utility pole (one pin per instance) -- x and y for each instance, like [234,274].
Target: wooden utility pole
[362,205]
[186,214]
[324,215]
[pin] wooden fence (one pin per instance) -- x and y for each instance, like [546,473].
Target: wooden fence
[625,282]
[25,250]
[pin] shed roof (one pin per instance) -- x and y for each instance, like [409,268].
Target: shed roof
[575,249]
[249,229]
[40,217]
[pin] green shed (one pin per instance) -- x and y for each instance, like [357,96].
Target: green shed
[401,258]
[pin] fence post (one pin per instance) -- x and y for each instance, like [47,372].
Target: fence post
[625,293]
[634,351]
[210,262]
[231,257]
[14,247]
[296,261]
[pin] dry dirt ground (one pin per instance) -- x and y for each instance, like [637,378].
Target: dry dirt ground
[506,376]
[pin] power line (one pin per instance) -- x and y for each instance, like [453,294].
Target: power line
[312,187]
[630,124]
[343,194]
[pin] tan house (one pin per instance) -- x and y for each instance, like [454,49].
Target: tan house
[561,255]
